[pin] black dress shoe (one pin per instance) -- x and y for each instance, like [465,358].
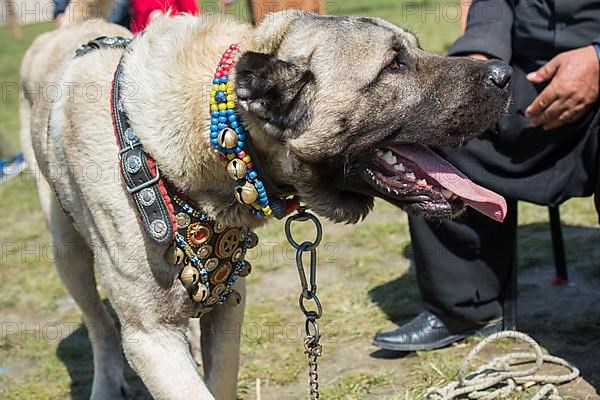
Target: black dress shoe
[428,332]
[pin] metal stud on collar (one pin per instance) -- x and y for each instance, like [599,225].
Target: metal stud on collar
[312,347]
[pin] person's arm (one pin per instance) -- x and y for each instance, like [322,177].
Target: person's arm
[488,30]
[464,11]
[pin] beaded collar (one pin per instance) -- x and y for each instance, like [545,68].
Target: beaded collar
[208,256]
[212,255]
[228,138]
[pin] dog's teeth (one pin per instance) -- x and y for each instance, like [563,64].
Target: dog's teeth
[422,182]
[379,153]
[410,176]
[389,158]
[397,192]
[447,194]
[388,189]
[399,167]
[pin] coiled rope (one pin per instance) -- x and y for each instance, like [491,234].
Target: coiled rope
[500,377]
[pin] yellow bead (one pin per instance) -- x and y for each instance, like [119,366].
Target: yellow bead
[230,90]
[222,86]
[268,212]
[230,104]
[230,156]
[246,159]
[222,107]
[214,107]
[212,101]
[215,88]
[230,97]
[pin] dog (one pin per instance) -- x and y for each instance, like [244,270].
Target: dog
[336,110]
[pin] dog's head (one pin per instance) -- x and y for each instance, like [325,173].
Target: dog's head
[339,109]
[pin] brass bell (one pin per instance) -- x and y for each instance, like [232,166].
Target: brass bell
[246,194]
[174,255]
[236,169]
[227,138]
[252,240]
[189,275]
[246,269]
[201,293]
[233,299]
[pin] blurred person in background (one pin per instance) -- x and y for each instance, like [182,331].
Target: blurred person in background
[259,8]
[545,151]
[144,11]
[119,13]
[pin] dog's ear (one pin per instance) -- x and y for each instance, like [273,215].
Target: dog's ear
[278,93]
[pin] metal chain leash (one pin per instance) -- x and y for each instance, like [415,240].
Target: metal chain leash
[312,347]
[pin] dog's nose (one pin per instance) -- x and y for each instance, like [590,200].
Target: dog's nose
[498,73]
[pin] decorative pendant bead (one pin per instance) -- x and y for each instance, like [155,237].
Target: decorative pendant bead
[245,270]
[174,255]
[246,194]
[227,138]
[182,220]
[233,299]
[189,275]
[236,169]
[251,240]
[201,293]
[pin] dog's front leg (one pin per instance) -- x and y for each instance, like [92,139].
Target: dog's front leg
[220,332]
[162,358]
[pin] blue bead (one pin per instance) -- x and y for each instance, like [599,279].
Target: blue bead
[221,126]
[214,128]
[223,119]
[224,79]
[234,124]
[241,144]
[253,175]
[221,96]
[214,121]
[214,114]
[214,135]
[216,81]
[232,118]
[214,141]
[239,130]
[230,111]
[238,149]
[259,185]
[241,136]
[223,113]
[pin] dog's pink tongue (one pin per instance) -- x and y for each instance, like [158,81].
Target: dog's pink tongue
[481,199]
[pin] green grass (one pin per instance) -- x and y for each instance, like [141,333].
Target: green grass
[366,281]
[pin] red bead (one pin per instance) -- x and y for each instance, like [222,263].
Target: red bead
[241,154]
[250,165]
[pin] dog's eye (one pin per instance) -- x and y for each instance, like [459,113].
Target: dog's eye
[396,65]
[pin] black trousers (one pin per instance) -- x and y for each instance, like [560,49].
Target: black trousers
[463,266]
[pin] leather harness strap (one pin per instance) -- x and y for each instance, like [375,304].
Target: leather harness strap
[140,173]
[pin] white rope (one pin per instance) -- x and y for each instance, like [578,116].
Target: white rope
[500,377]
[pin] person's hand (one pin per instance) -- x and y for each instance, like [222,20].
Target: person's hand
[574,79]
